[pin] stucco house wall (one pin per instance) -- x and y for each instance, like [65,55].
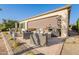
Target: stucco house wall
[44,22]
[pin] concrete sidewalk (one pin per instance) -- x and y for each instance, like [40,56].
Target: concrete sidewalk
[9,50]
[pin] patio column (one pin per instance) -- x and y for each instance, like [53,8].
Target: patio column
[26,25]
[16,25]
[64,25]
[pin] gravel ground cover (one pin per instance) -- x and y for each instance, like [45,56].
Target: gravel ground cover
[71,46]
[17,46]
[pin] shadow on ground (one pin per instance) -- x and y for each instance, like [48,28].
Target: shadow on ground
[55,40]
[73,33]
[26,50]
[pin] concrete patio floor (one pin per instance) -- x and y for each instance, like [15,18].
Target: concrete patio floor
[54,46]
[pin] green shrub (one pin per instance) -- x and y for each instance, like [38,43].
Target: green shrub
[77,25]
[74,27]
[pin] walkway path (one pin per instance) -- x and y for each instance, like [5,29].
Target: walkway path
[3,50]
[9,50]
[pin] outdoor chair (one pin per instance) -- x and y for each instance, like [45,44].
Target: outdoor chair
[55,33]
[34,39]
[49,35]
[43,39]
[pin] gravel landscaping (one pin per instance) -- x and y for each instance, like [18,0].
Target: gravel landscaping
[71,46]
[17,46]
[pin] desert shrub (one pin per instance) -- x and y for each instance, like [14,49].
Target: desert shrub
[10,38]
[31,29]
[15,44]
[74,42]
[0,37]
[74,27]
[5,33]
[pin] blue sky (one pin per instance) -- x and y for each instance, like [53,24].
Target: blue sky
[24,11]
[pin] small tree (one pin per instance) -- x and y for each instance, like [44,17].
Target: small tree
[2,26]
[7,24]
[77,25]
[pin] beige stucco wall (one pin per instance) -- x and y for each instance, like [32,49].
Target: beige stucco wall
[64,20]
[44,22]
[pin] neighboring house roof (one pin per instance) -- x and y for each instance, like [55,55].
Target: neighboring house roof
[55,10]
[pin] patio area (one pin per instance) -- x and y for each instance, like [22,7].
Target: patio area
[54,46]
